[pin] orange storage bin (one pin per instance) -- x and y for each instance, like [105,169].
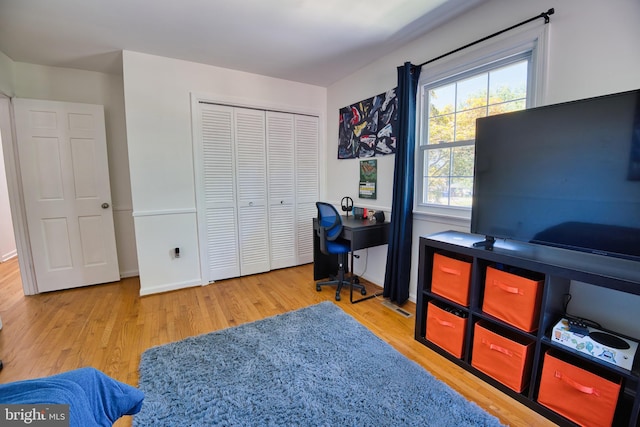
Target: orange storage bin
[445,329]
[512,298]
[451,278]
[579,395]
[503,356]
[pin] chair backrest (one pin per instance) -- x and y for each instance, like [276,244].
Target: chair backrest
[329,224]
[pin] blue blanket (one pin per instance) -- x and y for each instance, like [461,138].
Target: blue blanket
[95,399]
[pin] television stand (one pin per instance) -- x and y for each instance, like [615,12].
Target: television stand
[469,320]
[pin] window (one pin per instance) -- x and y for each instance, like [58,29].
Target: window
[452,108]
[491,80]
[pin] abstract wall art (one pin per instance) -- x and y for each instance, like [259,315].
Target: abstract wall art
[368,128]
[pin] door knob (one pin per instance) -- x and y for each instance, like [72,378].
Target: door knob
[105,205]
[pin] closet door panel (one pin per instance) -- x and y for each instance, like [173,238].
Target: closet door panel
[307,186]
[306,140]
[254,240]
[281,185]
[305,212]
[280,157]
[219,192]
[222,244]
[251,180]
[282,236]
[251,169]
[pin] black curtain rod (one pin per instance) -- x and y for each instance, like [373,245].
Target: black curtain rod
[544,15]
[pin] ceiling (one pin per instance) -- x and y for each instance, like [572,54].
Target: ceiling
[311,41]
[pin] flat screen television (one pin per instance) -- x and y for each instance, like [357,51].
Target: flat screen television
[566,175]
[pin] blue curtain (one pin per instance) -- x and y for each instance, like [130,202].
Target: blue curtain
[397,276]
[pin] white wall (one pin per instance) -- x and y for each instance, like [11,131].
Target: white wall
[8,248]
[7,238]
[158,114]
[593,51]
[68,85]
[6,75]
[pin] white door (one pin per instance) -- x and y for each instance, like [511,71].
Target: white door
[218,190]
[251,173]
[307,187]
[234,189]
[63,164]
[281,183]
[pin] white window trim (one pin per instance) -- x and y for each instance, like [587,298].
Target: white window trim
[531,37]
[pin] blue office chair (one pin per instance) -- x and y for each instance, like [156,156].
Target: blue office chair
[329,229]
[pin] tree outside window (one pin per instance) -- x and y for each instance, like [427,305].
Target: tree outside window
[448,129]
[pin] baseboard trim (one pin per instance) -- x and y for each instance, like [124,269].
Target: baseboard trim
[9,255]
[130,273]
[169,287]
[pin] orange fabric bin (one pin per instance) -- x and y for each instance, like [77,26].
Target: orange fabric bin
[579,395]
[445,329]
[451,278]
[512,298]
[506,357]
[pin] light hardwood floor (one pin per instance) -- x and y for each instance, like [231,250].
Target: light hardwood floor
[109,326]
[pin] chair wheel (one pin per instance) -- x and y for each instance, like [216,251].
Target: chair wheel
[363,291]
[337,297]
[318,288]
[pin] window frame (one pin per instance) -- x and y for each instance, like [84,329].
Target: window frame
[526,41]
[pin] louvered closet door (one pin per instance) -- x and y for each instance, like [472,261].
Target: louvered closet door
[307,187]
[251,176]
[219,192]
[281,184]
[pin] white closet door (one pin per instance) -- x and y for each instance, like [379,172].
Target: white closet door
[219,192]
[281,183]
[307,187]
[251,181]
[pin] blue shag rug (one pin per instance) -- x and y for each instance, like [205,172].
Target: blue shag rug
[316,366]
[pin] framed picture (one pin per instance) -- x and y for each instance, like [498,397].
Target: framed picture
[368,179]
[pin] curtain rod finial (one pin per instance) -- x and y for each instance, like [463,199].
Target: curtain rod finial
[546,14]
